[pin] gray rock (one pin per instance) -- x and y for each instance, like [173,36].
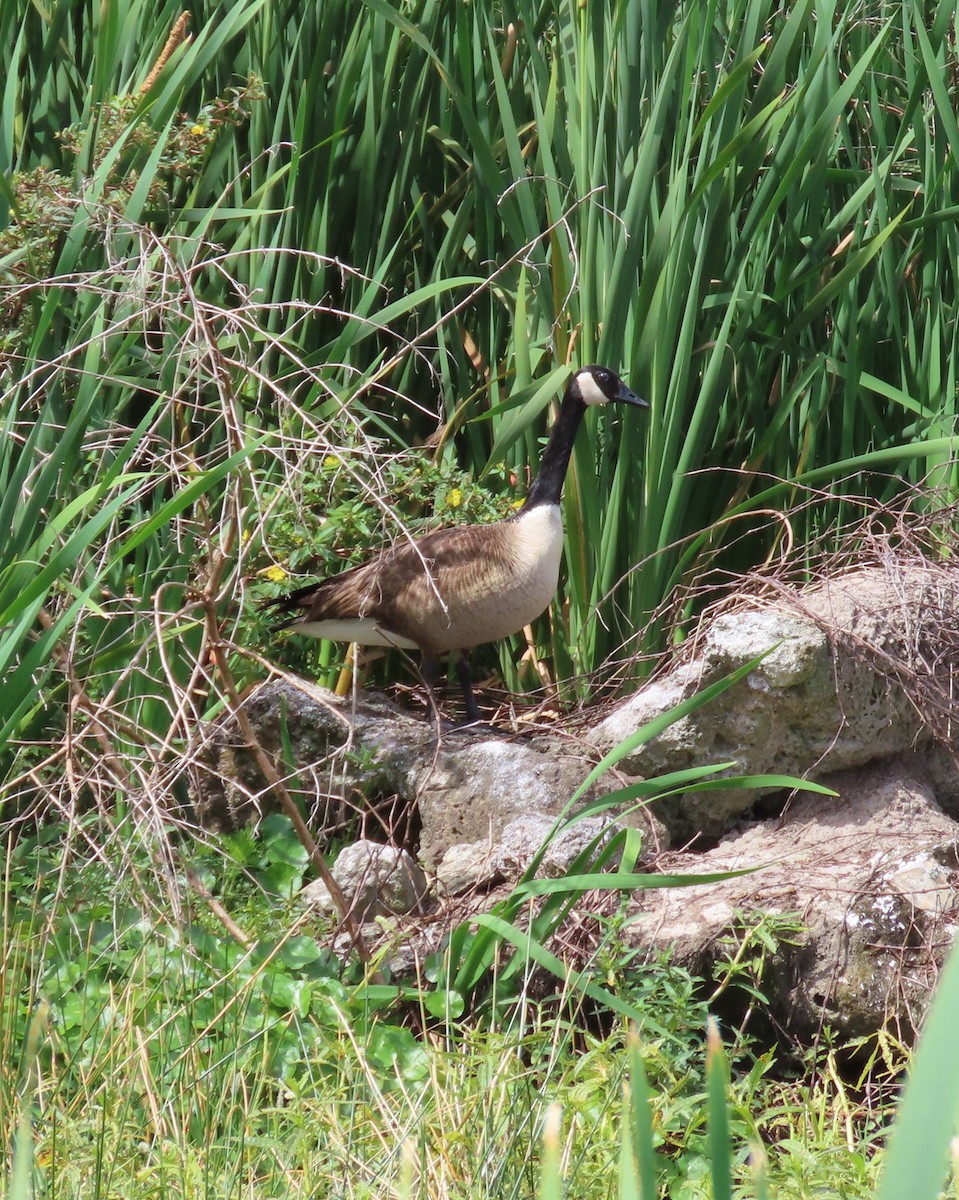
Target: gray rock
[480,865]
[856,690]
[466,786]
[469,867]
[334,753]
[828,695]
[869,875]
[522,840]
[473,792]
[376,880]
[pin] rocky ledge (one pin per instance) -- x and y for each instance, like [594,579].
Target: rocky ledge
[852,689]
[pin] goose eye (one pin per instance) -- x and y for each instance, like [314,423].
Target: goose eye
[602,376]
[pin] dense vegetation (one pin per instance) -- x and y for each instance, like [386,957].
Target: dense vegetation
[316,281]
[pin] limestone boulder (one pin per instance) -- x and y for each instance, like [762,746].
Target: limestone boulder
[828,694]
[861,888]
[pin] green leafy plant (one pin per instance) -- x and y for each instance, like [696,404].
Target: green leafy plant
[113,975]
[275,857]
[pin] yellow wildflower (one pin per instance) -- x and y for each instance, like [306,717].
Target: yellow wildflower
[275,574]
[198,130]
[454,498]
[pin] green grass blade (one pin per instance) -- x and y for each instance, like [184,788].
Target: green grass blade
[918,1154]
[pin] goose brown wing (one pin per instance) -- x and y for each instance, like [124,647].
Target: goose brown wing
[338,596]
[458,563]
[404,580]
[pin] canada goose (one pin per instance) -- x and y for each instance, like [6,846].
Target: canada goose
[457,588]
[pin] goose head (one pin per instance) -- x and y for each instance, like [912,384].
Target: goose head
[600,385]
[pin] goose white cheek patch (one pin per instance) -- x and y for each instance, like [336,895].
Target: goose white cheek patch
[590,390]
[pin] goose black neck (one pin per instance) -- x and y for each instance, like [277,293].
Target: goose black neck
[547,487]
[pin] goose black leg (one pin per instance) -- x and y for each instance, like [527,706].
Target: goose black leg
[466,683]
